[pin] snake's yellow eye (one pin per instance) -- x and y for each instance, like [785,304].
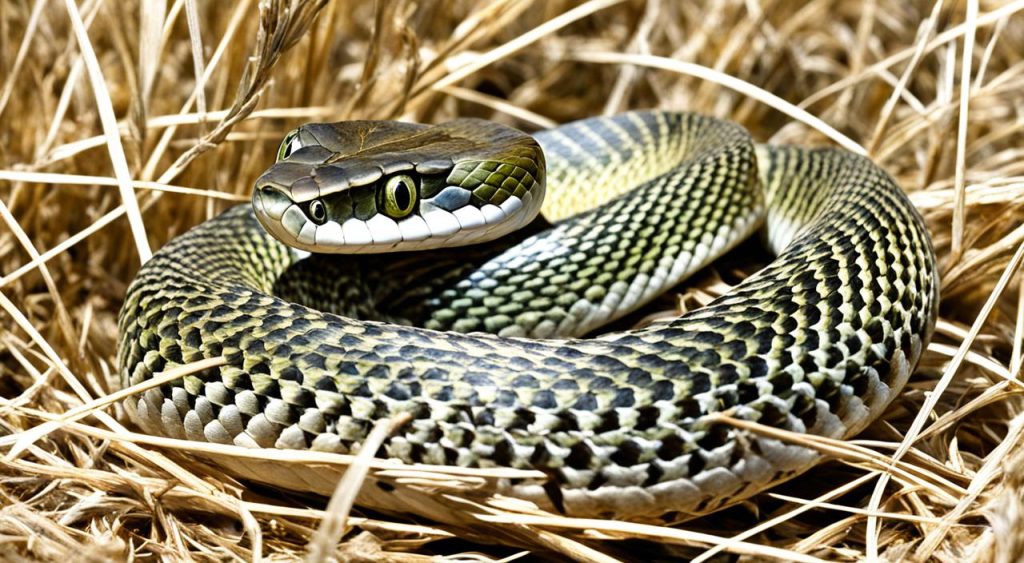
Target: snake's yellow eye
[399,196]
[290,144]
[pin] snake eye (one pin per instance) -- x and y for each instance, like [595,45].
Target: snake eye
[317,211]
[289,145]
[399,196]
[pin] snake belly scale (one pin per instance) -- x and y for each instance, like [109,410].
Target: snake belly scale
[819,341]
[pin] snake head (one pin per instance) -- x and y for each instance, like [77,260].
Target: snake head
[384,186]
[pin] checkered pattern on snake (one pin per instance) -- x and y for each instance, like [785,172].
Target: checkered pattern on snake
[819,341]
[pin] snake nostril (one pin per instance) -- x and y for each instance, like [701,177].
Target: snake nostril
[274,201]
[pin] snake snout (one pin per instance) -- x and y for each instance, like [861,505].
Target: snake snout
[270,200]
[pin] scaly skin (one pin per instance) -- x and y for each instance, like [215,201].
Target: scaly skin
[819,341]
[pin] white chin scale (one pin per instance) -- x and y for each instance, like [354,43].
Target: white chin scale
[434,226]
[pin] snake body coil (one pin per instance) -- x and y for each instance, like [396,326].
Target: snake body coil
[819,341]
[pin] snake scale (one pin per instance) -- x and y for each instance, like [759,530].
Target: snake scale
[819,341]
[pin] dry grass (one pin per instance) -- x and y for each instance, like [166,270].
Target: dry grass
[108,148]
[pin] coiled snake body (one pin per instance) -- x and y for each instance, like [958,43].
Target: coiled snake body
[819,341]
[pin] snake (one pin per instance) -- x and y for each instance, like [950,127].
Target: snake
[456,274]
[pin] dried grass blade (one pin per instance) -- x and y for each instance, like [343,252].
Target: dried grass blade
[19,59]
[984,20]
[502,51]
[661,533]
[959,182]
[335,521]
[110,129]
